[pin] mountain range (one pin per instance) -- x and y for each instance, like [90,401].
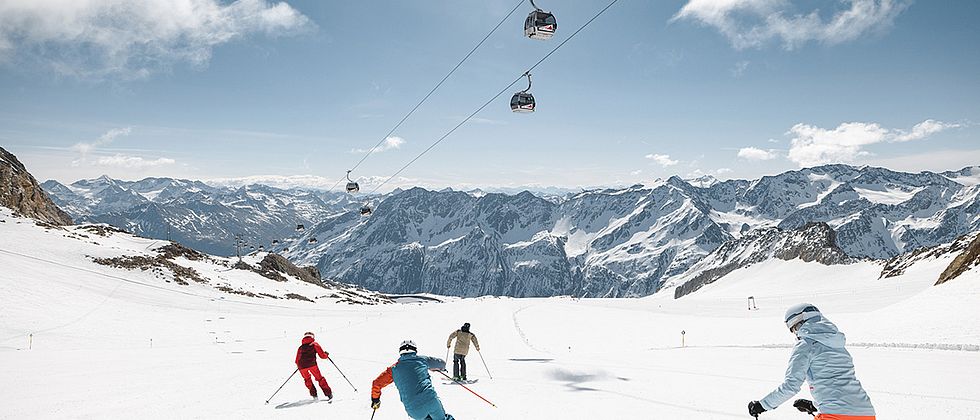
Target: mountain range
[613,242]
[632,241]
[196,214]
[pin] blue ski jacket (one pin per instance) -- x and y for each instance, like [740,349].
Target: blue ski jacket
[820,359]
[411,376]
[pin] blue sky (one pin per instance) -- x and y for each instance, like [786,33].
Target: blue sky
[288,93]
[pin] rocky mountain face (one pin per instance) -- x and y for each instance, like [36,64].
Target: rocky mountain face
[201,216]
[813,242]
[633,241]
[969,258]
[20,192]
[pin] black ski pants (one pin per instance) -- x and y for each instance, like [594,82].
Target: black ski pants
[459,366]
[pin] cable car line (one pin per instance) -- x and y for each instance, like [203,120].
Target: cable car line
[426,97]
[465,120]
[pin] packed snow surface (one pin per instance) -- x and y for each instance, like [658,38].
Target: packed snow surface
[103,347]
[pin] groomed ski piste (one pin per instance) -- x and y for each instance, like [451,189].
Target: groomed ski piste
[75,342]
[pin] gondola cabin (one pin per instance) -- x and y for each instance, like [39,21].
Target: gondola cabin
[366,211]
[540,25]
[312,240]
[522,102]
[353,188]
[300,228]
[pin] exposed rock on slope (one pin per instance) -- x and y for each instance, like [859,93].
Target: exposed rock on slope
[965,261]
[813,242]
[20,192]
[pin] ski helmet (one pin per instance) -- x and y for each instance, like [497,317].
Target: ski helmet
[466,327]
[407,346]
[308,334]
[799,313]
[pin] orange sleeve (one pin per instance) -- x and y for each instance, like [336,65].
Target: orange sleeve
[383,380]
[319,351]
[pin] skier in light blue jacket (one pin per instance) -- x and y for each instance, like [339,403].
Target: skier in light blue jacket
[820,359]
[411,376]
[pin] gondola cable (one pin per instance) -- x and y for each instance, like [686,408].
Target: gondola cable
[426,97]
[465,120]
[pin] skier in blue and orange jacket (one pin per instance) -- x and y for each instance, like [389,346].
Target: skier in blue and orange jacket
[820,359]
[411,376]
[306,363]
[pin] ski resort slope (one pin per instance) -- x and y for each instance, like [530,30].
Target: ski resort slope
[219,356]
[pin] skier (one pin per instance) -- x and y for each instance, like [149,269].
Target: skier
[306,363]
[819,358]
[463,337]
[411,376]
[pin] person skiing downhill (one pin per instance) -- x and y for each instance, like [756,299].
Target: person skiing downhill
[463,338]
[306,363]
[411,376]
[819,358]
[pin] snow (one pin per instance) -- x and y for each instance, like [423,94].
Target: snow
[889,196]
[215,355]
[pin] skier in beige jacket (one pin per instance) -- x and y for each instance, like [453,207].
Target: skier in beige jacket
[463,338]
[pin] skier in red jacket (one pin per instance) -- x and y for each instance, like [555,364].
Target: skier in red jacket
[306,363]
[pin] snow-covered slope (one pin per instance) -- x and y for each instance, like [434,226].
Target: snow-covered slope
[101,250]
[102,343]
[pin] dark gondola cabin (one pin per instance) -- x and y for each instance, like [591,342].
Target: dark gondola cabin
[312,240]
[540,25]
[300,228]
[522,102]
[366,211]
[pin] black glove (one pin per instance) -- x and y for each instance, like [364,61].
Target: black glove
[755,408]
[375,403]
[805,406]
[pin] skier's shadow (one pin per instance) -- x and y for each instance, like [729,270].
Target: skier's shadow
[299,403]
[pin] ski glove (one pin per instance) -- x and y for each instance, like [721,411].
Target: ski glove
[375,403]
[755,408]
[805,406]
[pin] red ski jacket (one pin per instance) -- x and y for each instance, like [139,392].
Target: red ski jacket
[307,353]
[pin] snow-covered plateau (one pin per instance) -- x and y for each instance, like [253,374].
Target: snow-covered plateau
[80,339]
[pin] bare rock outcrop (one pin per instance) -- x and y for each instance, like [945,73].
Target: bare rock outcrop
[20,192]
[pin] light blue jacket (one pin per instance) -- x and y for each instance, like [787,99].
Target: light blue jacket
[819,358]
[411,377]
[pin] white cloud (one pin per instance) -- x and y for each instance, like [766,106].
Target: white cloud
[813,145]
[662,160]
[314,182]
[722,171]
[754,153]
[753,23]
[105,139]
[389,143]
[132,162]
[97,39]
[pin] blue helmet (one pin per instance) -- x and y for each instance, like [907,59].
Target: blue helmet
[799,313]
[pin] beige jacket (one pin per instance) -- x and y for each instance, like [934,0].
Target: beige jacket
[462,342]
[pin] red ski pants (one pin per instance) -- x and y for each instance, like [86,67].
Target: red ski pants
[314,372]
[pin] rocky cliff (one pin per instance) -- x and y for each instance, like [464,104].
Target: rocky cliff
[20,192]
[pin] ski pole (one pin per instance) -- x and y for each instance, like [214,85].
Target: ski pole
[280,386]
[468,389]
[342,374]
[373,413]
[484,364]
